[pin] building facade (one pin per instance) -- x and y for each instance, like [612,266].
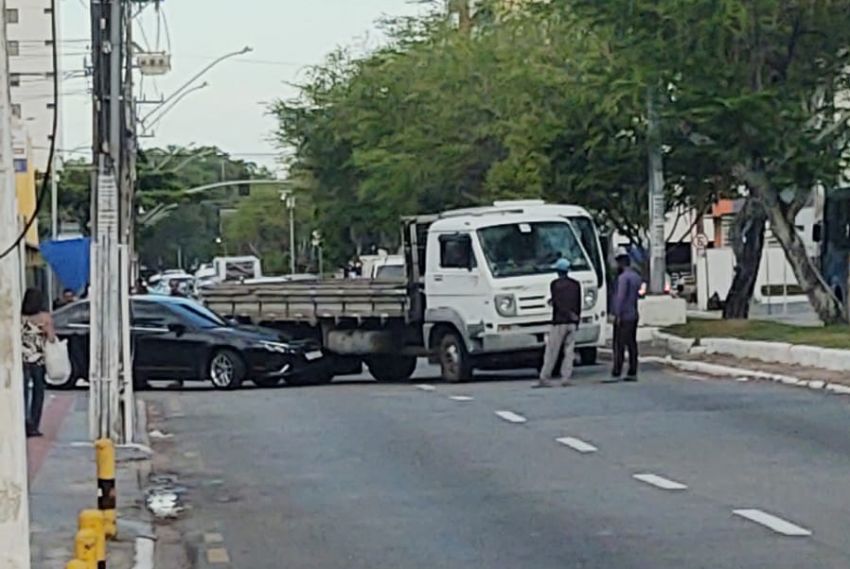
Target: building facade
[31,72]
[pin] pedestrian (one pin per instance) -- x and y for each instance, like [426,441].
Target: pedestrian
[566,315]
[625,310]
[175,289]
[36,329]
[68,297]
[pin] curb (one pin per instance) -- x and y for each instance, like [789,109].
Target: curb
[746,374]
[145,546]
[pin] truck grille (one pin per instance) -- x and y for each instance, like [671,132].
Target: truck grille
[532,303]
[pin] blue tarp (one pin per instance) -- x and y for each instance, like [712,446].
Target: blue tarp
[69,259]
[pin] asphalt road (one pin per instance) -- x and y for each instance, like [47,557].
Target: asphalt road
[673,472]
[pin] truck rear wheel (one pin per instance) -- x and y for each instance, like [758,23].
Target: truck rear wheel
[455,363]
[392,368]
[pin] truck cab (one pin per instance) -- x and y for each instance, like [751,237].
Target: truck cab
[484,277]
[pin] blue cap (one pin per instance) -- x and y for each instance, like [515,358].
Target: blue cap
[562,265]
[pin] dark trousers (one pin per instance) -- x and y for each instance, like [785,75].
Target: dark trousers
[625,338]
[33,396]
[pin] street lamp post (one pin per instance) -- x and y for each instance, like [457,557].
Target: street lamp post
[289,200]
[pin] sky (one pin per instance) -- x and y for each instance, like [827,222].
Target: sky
[286,36]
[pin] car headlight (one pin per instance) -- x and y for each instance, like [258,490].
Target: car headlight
[276,347]
[590,296]
[506,304]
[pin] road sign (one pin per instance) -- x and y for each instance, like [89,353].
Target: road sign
[701,243]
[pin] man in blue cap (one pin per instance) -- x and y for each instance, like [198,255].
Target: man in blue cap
[566,315]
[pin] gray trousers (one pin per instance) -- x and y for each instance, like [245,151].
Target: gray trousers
[561,336]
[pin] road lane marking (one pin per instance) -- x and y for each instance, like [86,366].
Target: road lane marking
[778,525]
[213,538]
[426,387]
[577,445]
[461,398]
[511,417]
[660,482]
[218,555]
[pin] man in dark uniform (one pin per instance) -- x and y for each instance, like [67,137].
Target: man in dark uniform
[566,315]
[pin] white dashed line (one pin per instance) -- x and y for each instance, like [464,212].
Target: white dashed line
[577,445]
[511,417]
[660,482]
[426,387]
[461,398]
[778,525]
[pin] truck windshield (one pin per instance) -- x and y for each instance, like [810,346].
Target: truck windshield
[530,248]
[587,233]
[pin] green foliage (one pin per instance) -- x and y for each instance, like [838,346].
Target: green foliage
[164,174]
[260,226]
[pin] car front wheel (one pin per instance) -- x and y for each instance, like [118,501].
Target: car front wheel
[227,370]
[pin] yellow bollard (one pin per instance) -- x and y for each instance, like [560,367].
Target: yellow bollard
[85,548]
[94,520]
[76,564]
[106,492]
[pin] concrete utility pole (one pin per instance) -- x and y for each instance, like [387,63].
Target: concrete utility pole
[14,504]
[657,205]
[111,222]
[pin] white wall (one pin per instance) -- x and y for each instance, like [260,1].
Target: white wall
[774,270]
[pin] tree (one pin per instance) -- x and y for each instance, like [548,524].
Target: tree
[754,84]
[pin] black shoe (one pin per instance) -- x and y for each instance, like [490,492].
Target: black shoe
[34,433]
[632,377]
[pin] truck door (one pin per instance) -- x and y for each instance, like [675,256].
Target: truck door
[456,274]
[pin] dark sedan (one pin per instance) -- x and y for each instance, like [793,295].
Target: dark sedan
[179,339]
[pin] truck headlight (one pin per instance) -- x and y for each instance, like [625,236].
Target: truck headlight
[590,296]
[506,304]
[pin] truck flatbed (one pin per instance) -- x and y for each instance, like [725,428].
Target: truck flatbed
[311,301]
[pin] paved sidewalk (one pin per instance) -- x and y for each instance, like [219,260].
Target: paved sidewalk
[62,476]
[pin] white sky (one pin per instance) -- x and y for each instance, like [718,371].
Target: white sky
[286,36]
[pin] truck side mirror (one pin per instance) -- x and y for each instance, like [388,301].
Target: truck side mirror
[817,232]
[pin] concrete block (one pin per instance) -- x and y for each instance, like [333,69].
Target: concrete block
[806,356]
[770,352]
[662,311]
[835,360]
[722,346]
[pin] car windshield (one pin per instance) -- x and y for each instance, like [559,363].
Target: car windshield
[530,248]
[199,315]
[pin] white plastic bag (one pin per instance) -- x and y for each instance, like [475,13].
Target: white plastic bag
[56,362]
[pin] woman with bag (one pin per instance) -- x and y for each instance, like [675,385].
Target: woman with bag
[36,329]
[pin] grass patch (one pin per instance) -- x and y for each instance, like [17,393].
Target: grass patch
[824,337]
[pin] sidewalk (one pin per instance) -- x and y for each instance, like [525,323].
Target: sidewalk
[62,477]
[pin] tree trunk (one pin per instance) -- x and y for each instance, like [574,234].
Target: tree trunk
[782,222]
[821,297]
[747,243]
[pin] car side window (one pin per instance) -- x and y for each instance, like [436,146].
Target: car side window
[151,315]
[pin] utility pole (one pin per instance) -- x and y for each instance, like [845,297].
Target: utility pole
[290,205]
[110,221]
[14,500]
[657,205]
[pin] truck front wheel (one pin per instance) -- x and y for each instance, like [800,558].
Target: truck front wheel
[455,362]
[392,368]
[588,356]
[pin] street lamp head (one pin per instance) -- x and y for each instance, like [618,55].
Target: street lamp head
[247,49]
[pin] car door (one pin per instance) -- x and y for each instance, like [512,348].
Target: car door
[169,344]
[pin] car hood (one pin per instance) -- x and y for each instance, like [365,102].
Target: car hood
[256,334]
